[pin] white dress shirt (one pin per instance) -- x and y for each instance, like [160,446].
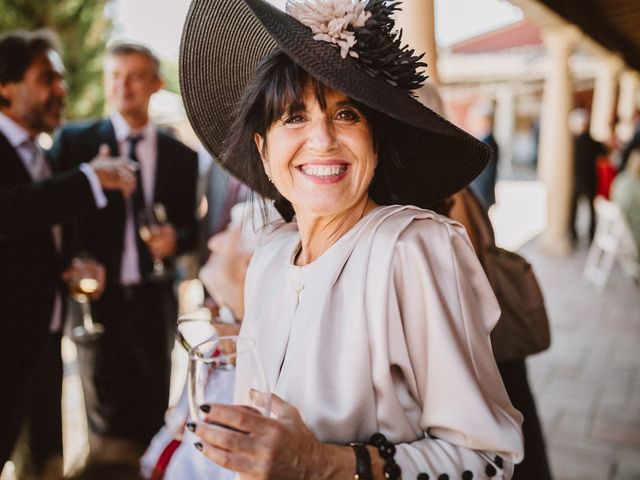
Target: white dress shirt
[147,152]
[36,165]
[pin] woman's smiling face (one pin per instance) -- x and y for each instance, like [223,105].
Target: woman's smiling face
[321,159]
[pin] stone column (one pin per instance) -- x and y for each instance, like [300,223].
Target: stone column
[555,155]
[417,20]
[627,103]
[604,97]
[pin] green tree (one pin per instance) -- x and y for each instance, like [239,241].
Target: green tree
[169,70]
[83,29]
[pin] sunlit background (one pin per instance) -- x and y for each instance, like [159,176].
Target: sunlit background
[531,66]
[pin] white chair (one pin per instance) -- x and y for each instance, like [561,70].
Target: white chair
[612,241]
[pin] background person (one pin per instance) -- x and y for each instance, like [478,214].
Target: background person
[625,192]
[34,201]
[125,373]
[466,208]
[480,121]
[368,317]
[586,151]
[171,454]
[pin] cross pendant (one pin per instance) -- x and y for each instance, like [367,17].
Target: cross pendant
[299,291]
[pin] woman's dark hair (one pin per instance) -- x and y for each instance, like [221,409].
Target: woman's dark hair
[277,87]
[18,49]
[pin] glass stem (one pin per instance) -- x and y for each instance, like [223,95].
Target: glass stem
[158,266]
[87,320]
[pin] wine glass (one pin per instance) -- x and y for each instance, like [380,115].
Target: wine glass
[193,331]
[149,217]
[227,370]
[201,325]
[83,284]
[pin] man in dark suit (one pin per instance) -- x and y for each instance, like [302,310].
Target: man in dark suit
[33,203]
[481,126]
[586,151]
[125,373]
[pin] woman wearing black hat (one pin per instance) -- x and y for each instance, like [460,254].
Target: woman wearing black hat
[371,314]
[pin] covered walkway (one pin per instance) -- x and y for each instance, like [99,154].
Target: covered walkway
[587,384]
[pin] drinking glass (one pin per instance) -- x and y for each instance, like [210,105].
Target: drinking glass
[194,331]
[227,370]
[82,285]
[149,217]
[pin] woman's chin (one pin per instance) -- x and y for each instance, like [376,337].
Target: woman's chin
[329,207]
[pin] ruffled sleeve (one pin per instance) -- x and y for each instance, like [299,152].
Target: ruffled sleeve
[440,310]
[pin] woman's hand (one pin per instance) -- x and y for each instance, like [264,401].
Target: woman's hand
[262,448]
[114,173]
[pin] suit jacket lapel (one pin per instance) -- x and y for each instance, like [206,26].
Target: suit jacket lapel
[14,171]
[163,168]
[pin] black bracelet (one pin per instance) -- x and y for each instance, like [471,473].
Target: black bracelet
[363,462]
[387,450]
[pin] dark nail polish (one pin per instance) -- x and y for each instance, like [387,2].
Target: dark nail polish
[205,408]
[198,445]
[191,426]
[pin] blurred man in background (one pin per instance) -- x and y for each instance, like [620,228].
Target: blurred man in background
[586,151]
[34,201]
[480,124]
[125,372]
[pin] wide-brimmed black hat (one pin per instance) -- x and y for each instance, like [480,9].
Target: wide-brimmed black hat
[223,40]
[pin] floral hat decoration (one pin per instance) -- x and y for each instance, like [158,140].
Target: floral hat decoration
[351,46]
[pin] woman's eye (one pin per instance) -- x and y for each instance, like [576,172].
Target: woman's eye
[293,119]
[347,115]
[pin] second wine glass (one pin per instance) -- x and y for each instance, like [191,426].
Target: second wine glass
[82,285]
[149,218]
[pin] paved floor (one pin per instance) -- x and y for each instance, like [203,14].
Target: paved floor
[588,383]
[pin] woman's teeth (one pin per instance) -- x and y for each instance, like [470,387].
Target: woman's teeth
[323,171]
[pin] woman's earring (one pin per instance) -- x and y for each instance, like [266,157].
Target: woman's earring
[269,178]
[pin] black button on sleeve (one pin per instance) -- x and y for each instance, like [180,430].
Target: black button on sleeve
[499,462]
[387,450]
[490,470]
[444,476]
[423,476]
[467,475]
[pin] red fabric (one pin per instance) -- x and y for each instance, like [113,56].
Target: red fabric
[606,173]
[163,460]
[165,457]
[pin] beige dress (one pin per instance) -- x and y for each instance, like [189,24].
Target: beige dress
[388,331]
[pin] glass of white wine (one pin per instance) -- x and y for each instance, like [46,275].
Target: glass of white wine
[149,217]
[83,284]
